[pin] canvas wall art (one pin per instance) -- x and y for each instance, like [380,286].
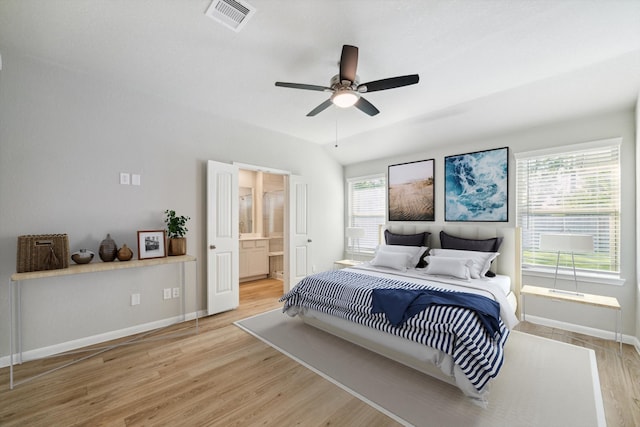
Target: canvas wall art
[411,193]
[477,186]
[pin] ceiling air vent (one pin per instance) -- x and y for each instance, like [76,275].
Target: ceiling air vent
[231,13]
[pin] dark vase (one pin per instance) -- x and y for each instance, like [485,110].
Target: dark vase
[108,249]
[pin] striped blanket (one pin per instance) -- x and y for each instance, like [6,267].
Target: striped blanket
[454,330]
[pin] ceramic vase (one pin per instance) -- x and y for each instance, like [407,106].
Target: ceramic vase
[83,256]
[108,249]
[124,253]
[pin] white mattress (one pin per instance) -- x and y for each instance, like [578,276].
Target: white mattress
[503,282]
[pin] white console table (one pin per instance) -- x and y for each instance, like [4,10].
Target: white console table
[588,299]
[15,301]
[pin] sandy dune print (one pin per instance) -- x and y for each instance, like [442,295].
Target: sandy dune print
[411,191]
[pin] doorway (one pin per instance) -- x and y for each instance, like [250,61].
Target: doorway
[223,232]
[261,225]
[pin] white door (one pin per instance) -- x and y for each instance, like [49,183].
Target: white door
[299,256]
[223,287]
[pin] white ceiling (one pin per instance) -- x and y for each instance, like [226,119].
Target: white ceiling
[484,66]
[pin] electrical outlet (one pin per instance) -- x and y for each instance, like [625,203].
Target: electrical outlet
[135,299]
[176,293]
[166,293]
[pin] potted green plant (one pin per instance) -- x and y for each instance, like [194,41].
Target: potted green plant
[176,231]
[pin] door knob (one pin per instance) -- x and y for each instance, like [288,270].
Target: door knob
[308,240]
[212,246]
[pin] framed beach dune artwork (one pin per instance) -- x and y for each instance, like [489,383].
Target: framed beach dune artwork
[411,191]
[477,186]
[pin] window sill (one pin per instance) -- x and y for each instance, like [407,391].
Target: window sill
[549,273]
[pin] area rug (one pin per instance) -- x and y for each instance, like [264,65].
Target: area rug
[542,382]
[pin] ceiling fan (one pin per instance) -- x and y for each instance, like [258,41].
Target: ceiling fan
[346,89]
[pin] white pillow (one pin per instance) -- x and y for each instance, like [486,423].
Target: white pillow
[447,266]
[396,260]
[481,260]
[416,252]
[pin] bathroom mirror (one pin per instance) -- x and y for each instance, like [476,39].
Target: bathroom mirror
[246,210]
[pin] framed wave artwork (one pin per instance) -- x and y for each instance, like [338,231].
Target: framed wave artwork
[477,186]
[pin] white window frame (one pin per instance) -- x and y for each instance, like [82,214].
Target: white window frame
[531,236]
[366,246]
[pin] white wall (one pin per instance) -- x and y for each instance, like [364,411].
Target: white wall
[637,222]
[64,139]
[602,126]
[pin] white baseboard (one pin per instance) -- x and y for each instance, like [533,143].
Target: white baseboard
[593,332]
[39,353]
[636,344]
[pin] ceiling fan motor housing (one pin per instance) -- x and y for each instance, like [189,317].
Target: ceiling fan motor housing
[336,84]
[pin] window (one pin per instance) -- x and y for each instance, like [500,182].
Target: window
[574,189]
[367,208]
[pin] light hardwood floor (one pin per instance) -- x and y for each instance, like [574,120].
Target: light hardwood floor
[224,376]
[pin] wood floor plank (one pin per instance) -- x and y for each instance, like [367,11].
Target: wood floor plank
[225,377]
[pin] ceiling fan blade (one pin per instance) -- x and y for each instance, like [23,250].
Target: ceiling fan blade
[389,83]
[366,107]
[348,63]
[320,108]
[304,86]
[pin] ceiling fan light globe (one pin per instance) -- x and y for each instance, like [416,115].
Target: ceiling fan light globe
[344,99]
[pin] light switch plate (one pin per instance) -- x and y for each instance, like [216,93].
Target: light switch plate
[135,299]
[135,179]
[124,178]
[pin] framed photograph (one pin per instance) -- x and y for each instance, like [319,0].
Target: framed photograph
[411,193]
[151,244]
[477,186]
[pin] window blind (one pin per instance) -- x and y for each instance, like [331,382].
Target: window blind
[367,208]
[575,191]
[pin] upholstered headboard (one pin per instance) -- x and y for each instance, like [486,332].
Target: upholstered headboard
[509,261]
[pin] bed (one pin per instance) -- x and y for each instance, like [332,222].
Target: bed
[452,309]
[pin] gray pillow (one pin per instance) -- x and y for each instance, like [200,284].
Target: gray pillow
[447,241]
[419,239]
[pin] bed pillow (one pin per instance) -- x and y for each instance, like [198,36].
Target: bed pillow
[481,261]
[417,253]
[396,260]
[448,241]
[419,239]
[444,266]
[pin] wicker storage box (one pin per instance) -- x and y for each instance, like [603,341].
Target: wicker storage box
[42,252]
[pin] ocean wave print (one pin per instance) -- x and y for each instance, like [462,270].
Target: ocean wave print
[476,186]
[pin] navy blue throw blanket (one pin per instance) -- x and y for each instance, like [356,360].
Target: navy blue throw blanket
[401,305]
